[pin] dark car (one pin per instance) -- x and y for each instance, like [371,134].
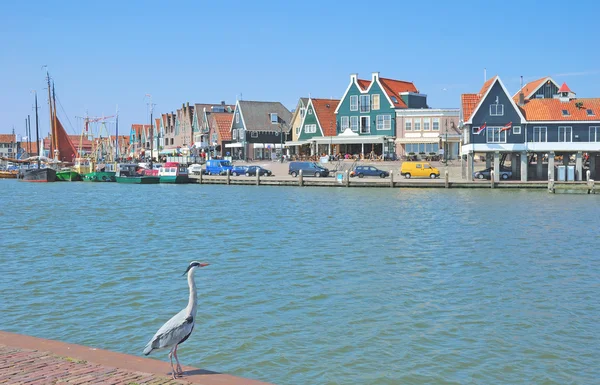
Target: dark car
[505,173]
[239,170]
[252,170]
[308,169]
[362,171]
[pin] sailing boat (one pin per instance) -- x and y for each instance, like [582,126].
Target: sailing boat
[39,174]
[61,147]
[102,156]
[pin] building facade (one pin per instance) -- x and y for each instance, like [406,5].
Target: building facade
[539,126]
[428,132]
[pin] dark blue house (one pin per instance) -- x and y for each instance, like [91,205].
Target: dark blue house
[531,129]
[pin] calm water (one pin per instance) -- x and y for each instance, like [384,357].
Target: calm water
[314,285]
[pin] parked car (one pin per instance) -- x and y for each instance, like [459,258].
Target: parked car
[252,170]
[218,166]
[308,169]
[505,173]
[239,170]
[362,171]
[419,169]
[195,169]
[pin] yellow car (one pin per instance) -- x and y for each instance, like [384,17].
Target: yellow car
[419,169]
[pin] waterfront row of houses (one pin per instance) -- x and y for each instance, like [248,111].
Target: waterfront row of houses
[378,117]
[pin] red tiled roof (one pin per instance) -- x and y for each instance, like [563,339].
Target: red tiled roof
[223,121]
[7,138]
[138,128]
[34,147]
[552,110]
[564,88]
[325,111]
[123,139]
[392,88]
[529,88]
[468,103]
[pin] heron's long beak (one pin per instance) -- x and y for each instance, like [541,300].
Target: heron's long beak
[204,264]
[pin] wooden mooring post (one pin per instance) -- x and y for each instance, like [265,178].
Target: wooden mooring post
[347,178]
[392,178]
[493,185]
[257,177]
[228,176]
[300,179]
[551,187]
[446,179]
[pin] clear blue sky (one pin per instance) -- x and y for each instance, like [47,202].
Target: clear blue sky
[107,53]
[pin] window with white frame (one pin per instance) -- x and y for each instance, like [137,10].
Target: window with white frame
[496,109]
[254,134]
[417,124]
[408,125]
[354,123]
[237,117]
[594,133]
[384,122]
[310,128]
[302,111]
[516,130]
[241,134]
[344,123]
[426,124]
[354,103]
[365,103]
[565,134]
[298,130]
[310,111]
[495,135]
[274,118]
[375,102]
[436,124]
[540,134]
[234,135]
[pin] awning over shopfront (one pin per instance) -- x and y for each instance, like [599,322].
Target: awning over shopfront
[418,140]
[291,143]
[233,145]
[169,151]
[358,139]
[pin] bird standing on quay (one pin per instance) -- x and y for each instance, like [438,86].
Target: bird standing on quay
[178,329]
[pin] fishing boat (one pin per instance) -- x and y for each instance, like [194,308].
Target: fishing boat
[104,173]
[38,174]
[133,173]
[68,174]
[173,172]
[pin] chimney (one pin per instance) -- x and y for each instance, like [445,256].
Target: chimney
[521,94]
[222,102]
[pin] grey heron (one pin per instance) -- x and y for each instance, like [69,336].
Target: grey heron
[178,329]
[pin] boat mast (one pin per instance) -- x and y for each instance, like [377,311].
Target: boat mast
[117,137]
[37,131]
[55,131]
[51,110]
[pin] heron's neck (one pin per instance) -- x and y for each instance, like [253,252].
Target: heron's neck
[191,307]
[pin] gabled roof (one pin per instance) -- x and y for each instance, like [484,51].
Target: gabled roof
[325,113]
[483,93]
[139,128]
[552,110]
[222,121]
[123,139]
[564,88]
[392,88]
[8,138]
[256,116]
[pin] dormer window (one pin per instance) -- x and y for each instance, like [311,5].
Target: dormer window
[590,112]
[496,109]
[394,99]
[565,112]
[274,118]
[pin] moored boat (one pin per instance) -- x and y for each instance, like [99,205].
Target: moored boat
[173,172]
[103,173]
[39,175]
[68,175]
[132,173]
[10,174]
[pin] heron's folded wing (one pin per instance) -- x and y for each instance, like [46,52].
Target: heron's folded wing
[173,331]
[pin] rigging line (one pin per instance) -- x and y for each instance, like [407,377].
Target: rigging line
[67,116]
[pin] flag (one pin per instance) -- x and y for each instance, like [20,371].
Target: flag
[481,128]
[507,127]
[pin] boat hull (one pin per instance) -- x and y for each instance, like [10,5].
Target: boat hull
[138,179]
[68,176]
[8,174]
[39,175]
[179,179]
[100,176]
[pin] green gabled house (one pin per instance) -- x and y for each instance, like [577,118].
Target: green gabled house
[318,123]
[366,114]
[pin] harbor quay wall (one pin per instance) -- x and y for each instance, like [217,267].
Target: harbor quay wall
[31,360]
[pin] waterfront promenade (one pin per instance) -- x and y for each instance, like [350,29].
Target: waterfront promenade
[30,360]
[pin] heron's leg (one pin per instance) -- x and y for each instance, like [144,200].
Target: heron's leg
[172,367]
[179,370]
